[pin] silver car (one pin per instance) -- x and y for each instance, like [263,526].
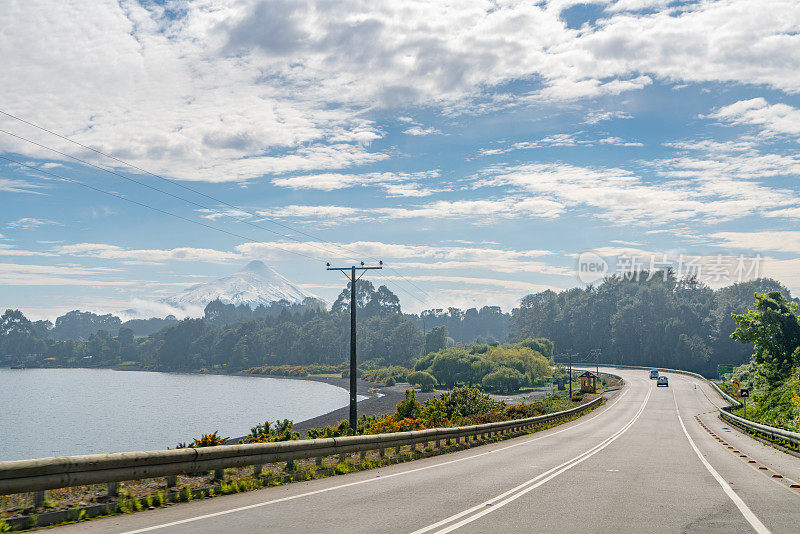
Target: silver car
[653,374]
[662,381]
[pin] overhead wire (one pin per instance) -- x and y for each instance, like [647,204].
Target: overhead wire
[148,206]
[202,206]
[193,190]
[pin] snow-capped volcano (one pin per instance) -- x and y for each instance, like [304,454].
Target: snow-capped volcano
[255,284]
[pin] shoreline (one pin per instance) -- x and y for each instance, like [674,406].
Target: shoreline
[379,399]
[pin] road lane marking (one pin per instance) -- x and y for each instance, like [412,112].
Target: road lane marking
[515,493]
[359,482]
[748,514]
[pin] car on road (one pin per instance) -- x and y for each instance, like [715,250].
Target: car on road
[653,374]
[662,381]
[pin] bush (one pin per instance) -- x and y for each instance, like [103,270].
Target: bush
[279,431]
[389,382]
[382,374]
[409,408]
[206,440]
[504,379]
[423,379]
[466,402]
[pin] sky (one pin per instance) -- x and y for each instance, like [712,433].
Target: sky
[482,150]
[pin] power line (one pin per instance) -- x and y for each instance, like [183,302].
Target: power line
[165,212]
[143,184]
[62,178]
[178,184]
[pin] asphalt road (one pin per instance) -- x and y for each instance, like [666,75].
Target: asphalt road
[641,463]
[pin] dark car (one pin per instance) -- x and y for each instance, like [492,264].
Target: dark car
[662,381]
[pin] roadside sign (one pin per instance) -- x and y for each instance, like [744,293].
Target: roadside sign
[724,368]
[744,392]
[736,384]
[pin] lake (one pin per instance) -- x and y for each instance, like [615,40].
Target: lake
[55,412]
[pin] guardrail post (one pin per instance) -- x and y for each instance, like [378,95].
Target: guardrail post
[438,444]
[318,461]
[113,489]
[38,498]
[382,452]
[219,474]
[397,450]
[257,470]
[342,457]
[172,481]
[362,455]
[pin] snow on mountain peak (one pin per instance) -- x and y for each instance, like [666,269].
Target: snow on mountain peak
[256,283]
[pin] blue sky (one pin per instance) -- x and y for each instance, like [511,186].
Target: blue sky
[477,149]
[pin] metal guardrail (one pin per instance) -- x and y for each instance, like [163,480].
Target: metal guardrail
[765,430]
[21,476]
[726,411]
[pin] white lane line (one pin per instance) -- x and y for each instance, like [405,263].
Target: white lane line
[376,479]
[515,493]
[748,514]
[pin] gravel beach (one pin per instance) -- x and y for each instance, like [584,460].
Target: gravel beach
[381,400]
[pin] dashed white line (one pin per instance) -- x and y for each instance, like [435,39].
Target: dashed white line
[494,504]
[356,483]
[748,514]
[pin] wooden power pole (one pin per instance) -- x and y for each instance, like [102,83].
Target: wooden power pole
[351,275]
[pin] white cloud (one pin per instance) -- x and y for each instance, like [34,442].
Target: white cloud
[17,186]
[772,118]
[395,184]
[518,285]
[309,212]
[222,213]
[146,256]
[27,223]
[766,240]
[618,142]
[14,274]
[232,91]
[597,116]
[419,130]
[620,196]
[10,250]
[395,255]
[560,140]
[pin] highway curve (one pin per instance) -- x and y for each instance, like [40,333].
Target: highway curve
[641,463]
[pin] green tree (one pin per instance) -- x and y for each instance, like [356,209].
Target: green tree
[451,366]
[409,407]
[425,380]
[504,380]
[436,339]
[774,329]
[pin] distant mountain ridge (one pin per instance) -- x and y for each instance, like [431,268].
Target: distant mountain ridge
[255,284]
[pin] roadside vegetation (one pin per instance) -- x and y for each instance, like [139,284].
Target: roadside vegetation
[460,406]
[773,374]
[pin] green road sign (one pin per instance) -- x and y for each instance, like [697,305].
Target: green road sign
[724,368]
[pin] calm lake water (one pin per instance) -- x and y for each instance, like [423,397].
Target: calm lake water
[54,412]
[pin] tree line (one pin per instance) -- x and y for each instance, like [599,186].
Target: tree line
[657,320]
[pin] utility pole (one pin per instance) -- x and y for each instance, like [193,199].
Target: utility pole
[570,376]
[353,384]
[596,354]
